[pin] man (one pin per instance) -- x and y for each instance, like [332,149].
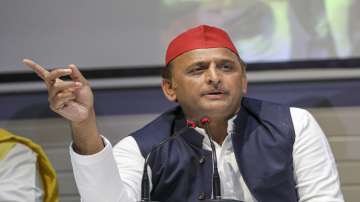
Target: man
[266,152]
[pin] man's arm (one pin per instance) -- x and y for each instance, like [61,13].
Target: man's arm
[94,167]
[314,164]
[117,179]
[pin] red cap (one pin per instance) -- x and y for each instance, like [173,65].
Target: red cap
[203,36]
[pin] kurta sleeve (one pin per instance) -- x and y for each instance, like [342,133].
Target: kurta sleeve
[107,177]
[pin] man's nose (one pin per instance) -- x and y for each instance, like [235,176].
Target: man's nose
[213,75]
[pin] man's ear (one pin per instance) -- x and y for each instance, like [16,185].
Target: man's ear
[244,84]
[168,90]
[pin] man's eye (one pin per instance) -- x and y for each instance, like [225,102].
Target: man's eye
[226,66]
[197,70]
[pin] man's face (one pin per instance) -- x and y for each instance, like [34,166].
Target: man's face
[207,82]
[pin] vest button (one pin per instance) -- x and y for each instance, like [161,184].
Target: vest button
[202,160]
[202,196]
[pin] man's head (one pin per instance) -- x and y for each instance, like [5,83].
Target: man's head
[204,73]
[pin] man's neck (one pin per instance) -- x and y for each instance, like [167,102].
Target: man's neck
[218,126]
[218,130]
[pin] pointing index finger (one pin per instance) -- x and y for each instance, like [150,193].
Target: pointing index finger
[39,70]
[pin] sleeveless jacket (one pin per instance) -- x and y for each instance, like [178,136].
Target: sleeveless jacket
[263,143]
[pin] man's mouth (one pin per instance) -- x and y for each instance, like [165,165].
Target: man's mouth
[214,93]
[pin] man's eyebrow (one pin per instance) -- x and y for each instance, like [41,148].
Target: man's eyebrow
[225,61]
[199,63]
[204,63]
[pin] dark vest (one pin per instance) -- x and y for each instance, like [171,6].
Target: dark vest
[263,144]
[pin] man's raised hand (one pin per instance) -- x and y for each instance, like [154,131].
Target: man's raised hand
[71,99]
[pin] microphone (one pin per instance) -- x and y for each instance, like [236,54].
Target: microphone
[145,183]
[216,195]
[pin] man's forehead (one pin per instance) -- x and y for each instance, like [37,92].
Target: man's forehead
[205,55]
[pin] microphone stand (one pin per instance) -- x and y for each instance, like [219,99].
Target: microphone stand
[216,195]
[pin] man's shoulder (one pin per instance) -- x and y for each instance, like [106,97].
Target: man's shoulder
[263,104]
[258,102]
[268,112]
[263,107]
[165,119]
[156,130]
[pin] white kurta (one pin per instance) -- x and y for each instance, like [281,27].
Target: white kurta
[114,174]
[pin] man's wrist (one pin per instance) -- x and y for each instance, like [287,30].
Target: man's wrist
[86,137]
[90,120]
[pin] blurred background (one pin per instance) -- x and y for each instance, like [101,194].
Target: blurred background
[299,52]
